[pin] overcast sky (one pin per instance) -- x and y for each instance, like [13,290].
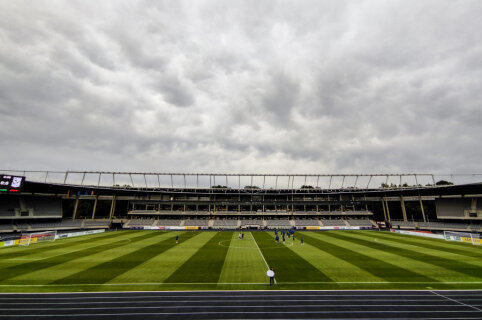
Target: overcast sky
[241,86]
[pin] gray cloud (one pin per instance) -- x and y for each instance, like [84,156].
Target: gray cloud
[244,86]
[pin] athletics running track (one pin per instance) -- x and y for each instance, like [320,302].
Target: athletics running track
[245,305]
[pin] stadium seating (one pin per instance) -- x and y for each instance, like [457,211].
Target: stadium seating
[71,223]
[475,227]
[282,223]
[96,223]
[333,223]
[6,227]
[403,224]
[196,223]
[45,207]
[254,222]
[358,212]
[141,222]
[8,206]
[22,226]
[65,224]
[451,225]
[168,223]
[307,223]
[360,223]
[225,223]
[45,225]
[443,225]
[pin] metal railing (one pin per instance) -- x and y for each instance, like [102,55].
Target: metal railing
[243,180]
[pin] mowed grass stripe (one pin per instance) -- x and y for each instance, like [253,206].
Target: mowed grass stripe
[379,268]
[288,266]
[205,265]
[160,267]
[244,263]
[69,267]
[434,244]
[108,270]
[333,267]
[40,248]
[32,266]
[438,261]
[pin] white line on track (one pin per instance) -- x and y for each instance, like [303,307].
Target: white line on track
[235,307]
[137,314]
[453,300]
[89,296]
[290,293]
[163,300]
[162,294]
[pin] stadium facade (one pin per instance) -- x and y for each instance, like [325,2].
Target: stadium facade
[87,199]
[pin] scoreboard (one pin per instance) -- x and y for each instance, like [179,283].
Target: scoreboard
[9,183]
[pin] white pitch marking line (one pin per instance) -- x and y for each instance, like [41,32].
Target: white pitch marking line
[261,254]
[101,295]
[453,300]
[235,283]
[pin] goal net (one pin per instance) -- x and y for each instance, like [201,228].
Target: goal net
[467,237]
[37,237]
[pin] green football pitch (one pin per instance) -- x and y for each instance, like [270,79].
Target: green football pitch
[151,260]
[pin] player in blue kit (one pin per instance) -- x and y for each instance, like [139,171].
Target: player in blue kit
[277,239]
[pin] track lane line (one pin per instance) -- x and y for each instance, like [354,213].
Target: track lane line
[453,300]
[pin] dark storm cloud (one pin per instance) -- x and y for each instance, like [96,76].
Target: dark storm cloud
[244,86]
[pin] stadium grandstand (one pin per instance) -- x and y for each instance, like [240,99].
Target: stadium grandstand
[46,200]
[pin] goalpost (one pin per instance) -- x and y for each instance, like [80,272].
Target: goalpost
[37,237]
[467,237]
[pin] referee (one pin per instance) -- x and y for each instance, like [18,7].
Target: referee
[270,274]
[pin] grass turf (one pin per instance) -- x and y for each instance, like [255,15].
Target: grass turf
[151,260]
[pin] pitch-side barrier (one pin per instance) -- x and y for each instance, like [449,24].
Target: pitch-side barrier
[449,236]
[16,242]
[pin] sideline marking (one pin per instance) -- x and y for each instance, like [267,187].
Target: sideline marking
[242,283]
[275,282]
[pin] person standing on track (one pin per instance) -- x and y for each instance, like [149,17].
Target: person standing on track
[270,274]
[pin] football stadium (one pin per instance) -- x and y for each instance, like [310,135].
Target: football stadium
[126,232]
